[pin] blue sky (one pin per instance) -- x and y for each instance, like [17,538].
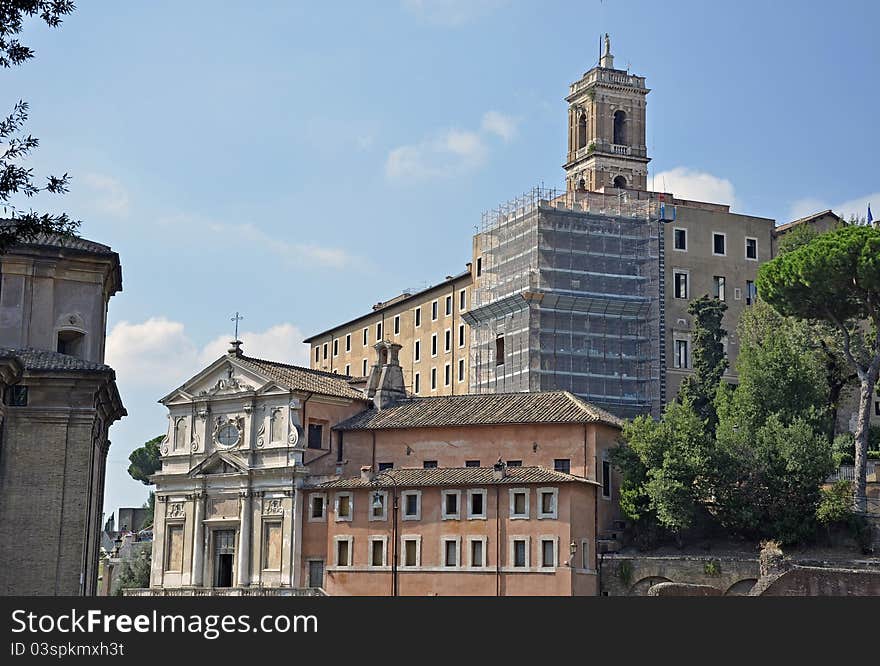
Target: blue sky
[286,159]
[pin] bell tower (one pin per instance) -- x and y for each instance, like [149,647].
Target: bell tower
[606,129]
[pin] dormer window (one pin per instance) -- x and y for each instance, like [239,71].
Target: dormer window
[70,343]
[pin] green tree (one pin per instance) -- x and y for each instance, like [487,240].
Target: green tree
[710,361]
[135,572]
[16,180]
[145,461]
[836,278]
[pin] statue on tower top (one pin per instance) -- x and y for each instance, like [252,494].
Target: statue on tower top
[607,44]
[606,59]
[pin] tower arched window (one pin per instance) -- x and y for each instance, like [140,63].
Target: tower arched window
[582,130]
[620,128]
[620,182]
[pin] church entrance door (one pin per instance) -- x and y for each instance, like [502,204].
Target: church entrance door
[316,573]
[224,556]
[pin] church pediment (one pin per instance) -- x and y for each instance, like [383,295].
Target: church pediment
[220,462]
[220,379]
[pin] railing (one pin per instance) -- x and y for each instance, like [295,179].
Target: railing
[617,149]
[225,592]
[848,472]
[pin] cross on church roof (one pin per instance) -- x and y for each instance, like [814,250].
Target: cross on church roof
[237,318]
[236,343]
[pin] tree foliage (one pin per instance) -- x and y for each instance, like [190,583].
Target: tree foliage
[135,572]
[710,361]
[145,461]
[15,145]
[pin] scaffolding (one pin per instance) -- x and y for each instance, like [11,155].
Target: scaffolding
[568,297]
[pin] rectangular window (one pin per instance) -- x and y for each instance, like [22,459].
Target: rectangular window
[416,383]
[385,465]
[585,554]
[396,324]
[343,552]
[520,552]
[317,354]
[316,435]
[476,503]
[417,351]
[562,465]
[434,310]
[499,350]
[462,300]
[325,351]
[343,506]
[547,499]
[412,505]
[679,239]
[272,546]
[514,463]
[519,503]
[429,464]
[450,552]
[681,354]
[348,342]
[347,370]
[336,347]
[448,305]
[606,479]
[476,463]
[751,292]
[548,553]
[411,551]
[479,266]
[418,316]
[364,368]
[476,553]
[461,335]
[447,374]
[379,505]
[680,284]
[379,331]
[316,511]
[377,552]
[752,249]
[174,550]
[719,244]
[450,500]
[434,344]
[737,294]
[366,334]
[17,396]
[433,379]
[461,369]
[718,284]
[447,340]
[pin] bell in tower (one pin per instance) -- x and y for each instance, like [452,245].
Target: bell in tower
[606,121]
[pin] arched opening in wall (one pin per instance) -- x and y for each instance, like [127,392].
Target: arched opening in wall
[582,131]
[620,182]
[71,343]
[640,589]
[620,128]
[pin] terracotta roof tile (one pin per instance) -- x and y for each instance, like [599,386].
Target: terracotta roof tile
[304,379]
[39,359]
[455,476]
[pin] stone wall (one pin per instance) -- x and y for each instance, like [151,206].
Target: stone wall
[807,581]
[634,575]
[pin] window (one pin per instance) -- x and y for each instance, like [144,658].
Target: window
[434,311]
[434,344]
[377,551]
[429,464]
[325,351]
[514,463]
[751,292]
[499,350]
[343,506]
[680,284]
[476,500]
[462,300]
[379,331]
[343,551]
[385,465]
[461,335]
[418,316]
[348,342]
[379,505]
[316,507]
[416,382]
[519,503]
[471,463]
[562,465]
[447,374]
[272,546]
[718,284]
[447,340]
[348,370]
[417,351]
[519,551]
[396,324]
[412,551]
[681,354]
[719,244]
[433,379]
[606,479]
[366,333]
[752,249]
[174,549]
[450,551]
[412,504]
[547,501]
[17,396]
[461,370]
[448,305]
[479,266]
[548,552]
[476,552]
[317,354]
[364,370]
[316,435]
[450,500]
[679,239]
[620,127]
[737,294]
[585,554]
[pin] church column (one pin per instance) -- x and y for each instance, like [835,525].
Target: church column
[198,557]
[244,540]
[157,577]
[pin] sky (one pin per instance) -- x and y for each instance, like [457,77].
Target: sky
[293,160]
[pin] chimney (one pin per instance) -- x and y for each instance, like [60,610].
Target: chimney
[499,470]
[366,473]
[385,385]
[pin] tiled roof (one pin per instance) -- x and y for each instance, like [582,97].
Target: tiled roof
[808,218]
[39,359]
[58,240]
[455,476]
[304,379]
[481,409]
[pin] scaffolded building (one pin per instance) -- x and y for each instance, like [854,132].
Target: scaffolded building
[568,295]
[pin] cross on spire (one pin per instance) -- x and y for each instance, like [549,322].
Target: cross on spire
[237,318]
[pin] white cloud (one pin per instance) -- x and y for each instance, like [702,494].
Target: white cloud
[111,196]
[295,254]
[499,124]
[451,13]
[282,342]
[803,207]
[696,185]
[846,209]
